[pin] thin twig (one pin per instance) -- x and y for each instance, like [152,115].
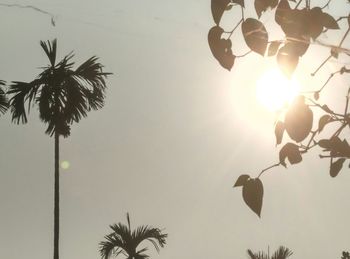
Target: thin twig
[268,168]
[324,62]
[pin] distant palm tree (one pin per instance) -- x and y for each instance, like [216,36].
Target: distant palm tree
[281,253]
[124,241]
[63,96]
[3,99]
[345,255]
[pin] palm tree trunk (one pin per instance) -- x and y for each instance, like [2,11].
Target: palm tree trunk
[56,200]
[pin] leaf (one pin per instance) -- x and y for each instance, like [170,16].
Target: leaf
[273,48]
[287,61]
[229,7]
[294,23]
[329,22]
[281,12]
[262,5]
[324,120]
[315,23]
[240,2]
[290,151]
[279,130]
[336,167]
[298,120]
[297,47]
[325,143]
[217,9]
[241,181]
[316,95]
[253,192]
[326,108]
[221,48]
[255,35]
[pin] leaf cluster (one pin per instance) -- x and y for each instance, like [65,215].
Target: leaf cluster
[63,95]
[298,130]
[301,27]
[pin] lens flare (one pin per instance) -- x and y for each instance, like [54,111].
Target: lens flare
[274,90]
[65,165]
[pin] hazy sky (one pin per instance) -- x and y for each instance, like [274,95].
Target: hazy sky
[175,133]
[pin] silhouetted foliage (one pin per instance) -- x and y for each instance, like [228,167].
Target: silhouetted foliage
[345,255]
[3,98]
[301,23]
[281,253]
[63,96]
[125,241]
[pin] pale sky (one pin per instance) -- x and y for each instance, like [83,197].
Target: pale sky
[175,133]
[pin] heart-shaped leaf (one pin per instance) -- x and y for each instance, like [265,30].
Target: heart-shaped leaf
[298,120]
[253,192]
[287,61]
[279,130]
[221,48]
[262,5]
[273,48]
[315,23]
[336,167]
[324,120]
[329,22]
[290,151]
[255,35]
[242,179]
[281,12]
[218,7]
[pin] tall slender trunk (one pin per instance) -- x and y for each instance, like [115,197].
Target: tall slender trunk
[56,200]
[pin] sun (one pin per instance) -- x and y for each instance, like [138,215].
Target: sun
[274,90]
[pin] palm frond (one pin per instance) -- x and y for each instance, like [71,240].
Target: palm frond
[121,230]
[3,98]
[128,219]
[282,253]
[50,49]
[112,245]
[251,254]
[92,82]
[20,93]
[154,235]
[258,255]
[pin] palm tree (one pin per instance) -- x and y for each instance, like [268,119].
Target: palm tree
[63,96]
[125,241]
[281,253]
[3,99]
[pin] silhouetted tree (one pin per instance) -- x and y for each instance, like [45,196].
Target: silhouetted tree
[63,96]
[345,255]
[302,22]
[3,99]
[281,253]
[125,241]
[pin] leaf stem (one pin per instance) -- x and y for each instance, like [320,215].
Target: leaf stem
[323,63]
[268,168]
[326,5]
[231,32]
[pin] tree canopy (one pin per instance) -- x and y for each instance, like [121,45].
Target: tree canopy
[302,22]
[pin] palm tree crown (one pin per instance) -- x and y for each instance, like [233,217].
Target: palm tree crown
[125,241]
[281,253]
[63,95]
[3,98]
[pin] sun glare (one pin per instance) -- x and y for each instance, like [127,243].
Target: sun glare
[274,90]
